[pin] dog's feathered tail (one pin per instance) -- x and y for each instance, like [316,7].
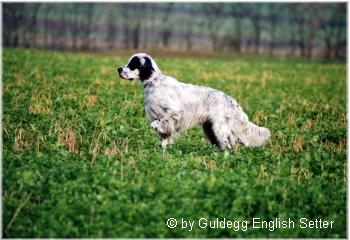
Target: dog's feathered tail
[252,135]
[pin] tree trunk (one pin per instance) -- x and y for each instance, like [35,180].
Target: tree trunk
[136,36]
[238,42]
[257,36]
[166,32]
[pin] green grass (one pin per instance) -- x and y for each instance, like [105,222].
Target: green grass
[80,159]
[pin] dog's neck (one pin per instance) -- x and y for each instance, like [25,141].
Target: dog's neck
[155,77]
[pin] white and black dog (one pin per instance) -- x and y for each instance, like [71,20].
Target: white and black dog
[173,107]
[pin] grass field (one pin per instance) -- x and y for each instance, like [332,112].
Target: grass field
[80,159]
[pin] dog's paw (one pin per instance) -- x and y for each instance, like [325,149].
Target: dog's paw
[156,126]
[166,141]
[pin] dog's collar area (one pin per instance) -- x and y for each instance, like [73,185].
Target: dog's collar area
[150,82]
[147,83]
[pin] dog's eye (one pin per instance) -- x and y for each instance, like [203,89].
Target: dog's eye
[134,63]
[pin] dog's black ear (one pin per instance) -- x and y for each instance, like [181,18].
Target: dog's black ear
[146,69]
[134,63]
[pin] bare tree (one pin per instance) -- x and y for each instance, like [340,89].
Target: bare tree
[110,27]
[124,11]
[166,28]
[188,32]
[235,41]
[329,32]
[213,12]
[59,27]
[13,17]
[87,25]
[47,10]
[298,31]
[339,31]
[253,12]
[31,24]
[146,22]
[311,37]
[273,16]
[257,28]
[292,40]
[90,15]
[74,25]
[135,35]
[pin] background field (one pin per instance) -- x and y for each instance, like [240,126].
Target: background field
[80,159]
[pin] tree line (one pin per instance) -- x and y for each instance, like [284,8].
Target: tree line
[307,30]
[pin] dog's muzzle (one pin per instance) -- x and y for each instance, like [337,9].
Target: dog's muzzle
[120,72]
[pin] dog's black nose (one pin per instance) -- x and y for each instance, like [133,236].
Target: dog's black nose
[120,70]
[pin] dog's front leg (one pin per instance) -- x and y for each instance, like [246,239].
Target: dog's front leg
[166,125]
[163,130]
[166,129]
[158,127]
[163,127]
[166,141]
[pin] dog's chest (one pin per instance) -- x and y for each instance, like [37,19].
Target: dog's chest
[159,102]
[155,107]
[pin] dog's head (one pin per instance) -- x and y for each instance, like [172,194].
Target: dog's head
[140,66]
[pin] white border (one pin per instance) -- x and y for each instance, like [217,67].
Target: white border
[183,1]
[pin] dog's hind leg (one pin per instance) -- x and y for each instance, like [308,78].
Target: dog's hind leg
[208,130]
[232,139]
[217,134]
[223,134]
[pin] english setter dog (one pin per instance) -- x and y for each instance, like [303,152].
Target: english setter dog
[173,106]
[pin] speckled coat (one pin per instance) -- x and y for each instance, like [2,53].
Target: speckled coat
[173,107]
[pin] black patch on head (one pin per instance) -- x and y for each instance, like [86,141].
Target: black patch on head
[208,130]
[134,63]
[146,69]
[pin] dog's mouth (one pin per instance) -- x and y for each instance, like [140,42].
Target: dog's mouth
[121,75]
